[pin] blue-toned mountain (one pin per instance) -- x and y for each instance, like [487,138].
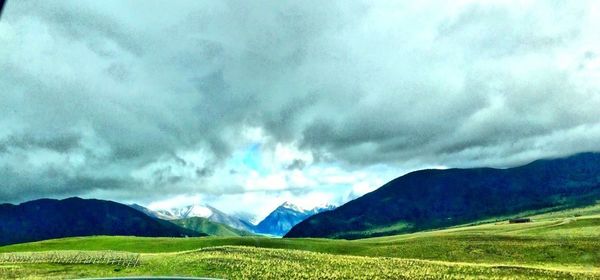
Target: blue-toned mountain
[284,217]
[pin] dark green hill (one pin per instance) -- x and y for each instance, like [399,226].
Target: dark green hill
[49,218]
[204,225]
[429,199]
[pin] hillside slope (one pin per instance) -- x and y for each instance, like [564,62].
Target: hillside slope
[429,199]
[204,225]
[50,218]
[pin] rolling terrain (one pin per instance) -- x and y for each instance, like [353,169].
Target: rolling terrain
[455,225]
[430,199]
[562,244]
[204,225]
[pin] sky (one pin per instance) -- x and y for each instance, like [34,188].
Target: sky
[246,104]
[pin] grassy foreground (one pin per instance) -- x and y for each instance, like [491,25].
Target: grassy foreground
[557,245]
[234,262]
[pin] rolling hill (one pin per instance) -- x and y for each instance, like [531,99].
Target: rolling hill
[430,199]
[50,218]
[204,225]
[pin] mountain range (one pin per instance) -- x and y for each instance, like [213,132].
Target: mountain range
[429,199]
[277,223]
[50,218]
[420,200]
[198,210]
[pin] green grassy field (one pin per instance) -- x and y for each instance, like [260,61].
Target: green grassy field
[560,245]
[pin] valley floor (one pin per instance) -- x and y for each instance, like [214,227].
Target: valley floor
[557,245]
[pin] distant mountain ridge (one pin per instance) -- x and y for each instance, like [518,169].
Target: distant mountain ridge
[204,225]
[277,223]
[429,199]
[201,211]
[50,218]
[284,217]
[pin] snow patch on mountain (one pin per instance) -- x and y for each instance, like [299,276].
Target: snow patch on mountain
[198,210]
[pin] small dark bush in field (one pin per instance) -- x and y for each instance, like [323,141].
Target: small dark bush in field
[519,220]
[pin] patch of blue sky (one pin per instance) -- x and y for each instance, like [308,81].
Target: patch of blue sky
[252,158]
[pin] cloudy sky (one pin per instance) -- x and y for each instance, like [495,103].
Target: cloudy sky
[246,104]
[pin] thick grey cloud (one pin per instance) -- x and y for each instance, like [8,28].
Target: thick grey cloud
[104,97]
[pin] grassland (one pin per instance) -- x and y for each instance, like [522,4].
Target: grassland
[559,245]
[235,262]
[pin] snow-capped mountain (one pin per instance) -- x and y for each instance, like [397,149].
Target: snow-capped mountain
[197,210]
[187,212]
[286,216]
[277,223]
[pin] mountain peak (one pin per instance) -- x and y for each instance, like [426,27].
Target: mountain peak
[284,217]
[198,210]
[291,206]
[324,207]
[201,210]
